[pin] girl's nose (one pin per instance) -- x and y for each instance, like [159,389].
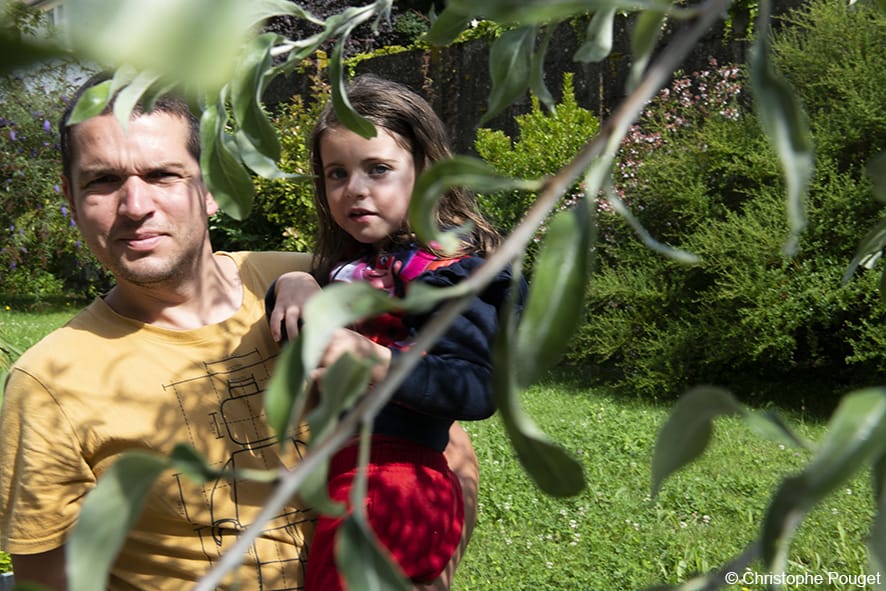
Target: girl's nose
[358,185]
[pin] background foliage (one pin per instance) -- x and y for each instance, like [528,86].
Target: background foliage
[40,249]
[700,175]
[232,146]
[283,215]
[547,141]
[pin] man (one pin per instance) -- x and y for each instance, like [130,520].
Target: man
[178,351]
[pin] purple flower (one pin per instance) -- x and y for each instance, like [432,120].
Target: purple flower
[12,134]
[47,126]
[64,210]
[56,188]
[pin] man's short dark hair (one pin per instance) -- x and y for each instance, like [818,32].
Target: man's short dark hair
[169,103]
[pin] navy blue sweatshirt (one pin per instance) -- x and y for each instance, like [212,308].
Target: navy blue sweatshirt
[453,380]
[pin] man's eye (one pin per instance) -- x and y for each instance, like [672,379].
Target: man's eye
[161,175]
[102,180]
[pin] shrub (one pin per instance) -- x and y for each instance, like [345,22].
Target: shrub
[41,253]
[283,216]
[746,316]
[546,142]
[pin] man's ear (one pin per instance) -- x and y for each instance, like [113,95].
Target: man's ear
[69,196]
[211,204]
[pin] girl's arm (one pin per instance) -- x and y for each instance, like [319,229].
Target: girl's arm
[285,301]
[454,378]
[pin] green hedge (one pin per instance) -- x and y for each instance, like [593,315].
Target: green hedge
[699,175]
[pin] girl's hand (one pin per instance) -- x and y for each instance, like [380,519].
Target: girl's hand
[292,291]
[347,341]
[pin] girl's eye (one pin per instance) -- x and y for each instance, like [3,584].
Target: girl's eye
[379,169]
[336,174]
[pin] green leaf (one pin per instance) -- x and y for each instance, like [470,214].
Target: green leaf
[261,10]
[342,385]
[549,466]
[225,175]
[855,437]
[129,95]
[784,123]
[772,427]
[876,171]
[246,91]
[877,542]
[599,37]
[871,245]
[556,295]
[537,72]
[336,306]
[463,171]
[676,254]
[285,395]
[172,38]
[447,27]
[108,513]
[91,103]
[643,40]
[510,66]
[877,539]
[362,562]
[344,112]
[186,460]
[687,431]
[260,163]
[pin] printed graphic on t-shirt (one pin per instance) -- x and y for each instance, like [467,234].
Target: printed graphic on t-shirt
[227,402]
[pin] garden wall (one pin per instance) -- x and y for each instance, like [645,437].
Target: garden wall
[456,79]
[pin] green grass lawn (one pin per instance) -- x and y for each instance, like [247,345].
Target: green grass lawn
[613,536]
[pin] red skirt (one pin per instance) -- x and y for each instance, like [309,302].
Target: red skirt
[413,502]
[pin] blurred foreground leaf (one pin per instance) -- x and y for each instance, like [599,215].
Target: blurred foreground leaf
[856,436]
[109,512]
[686,433]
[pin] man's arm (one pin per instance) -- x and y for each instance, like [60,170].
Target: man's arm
[463,461]
[46,568]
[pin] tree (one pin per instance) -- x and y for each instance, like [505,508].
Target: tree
[225,80]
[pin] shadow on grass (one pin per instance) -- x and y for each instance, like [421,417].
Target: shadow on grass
[37,303]
[804,392]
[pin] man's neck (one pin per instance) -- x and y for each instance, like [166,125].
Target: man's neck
[212,295]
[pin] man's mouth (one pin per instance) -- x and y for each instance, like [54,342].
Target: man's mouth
[142,241]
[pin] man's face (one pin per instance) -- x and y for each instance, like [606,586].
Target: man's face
[138,197]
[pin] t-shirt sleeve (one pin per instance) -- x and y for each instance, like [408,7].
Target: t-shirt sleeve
[454,378]
[43,476]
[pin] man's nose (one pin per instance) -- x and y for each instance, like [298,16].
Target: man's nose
[136,198]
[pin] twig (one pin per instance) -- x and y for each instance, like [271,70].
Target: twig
[656,77]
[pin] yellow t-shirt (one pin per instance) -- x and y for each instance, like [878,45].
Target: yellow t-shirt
[103,384]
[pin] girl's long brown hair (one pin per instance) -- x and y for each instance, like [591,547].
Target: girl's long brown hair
[398,109]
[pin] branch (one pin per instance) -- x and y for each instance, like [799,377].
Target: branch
[603,145]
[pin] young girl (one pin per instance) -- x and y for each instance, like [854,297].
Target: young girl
[414,502]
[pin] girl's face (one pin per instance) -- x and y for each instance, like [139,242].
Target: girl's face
[368,182]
